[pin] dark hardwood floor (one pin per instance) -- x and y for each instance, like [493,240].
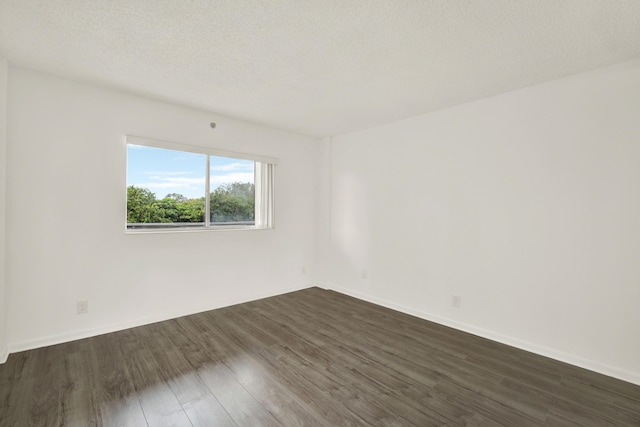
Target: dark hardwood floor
[312,357]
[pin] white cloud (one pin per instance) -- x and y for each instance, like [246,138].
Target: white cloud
[168,182]
[163,183]
[217,180]
[166,173]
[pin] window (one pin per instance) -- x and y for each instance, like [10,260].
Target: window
[176,187]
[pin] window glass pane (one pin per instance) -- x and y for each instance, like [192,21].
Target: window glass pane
[232,185]
[165,188]
[169,188]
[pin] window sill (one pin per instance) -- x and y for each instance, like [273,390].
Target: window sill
[199,229]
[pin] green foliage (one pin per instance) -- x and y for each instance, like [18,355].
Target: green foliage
[229,202]
[141,205]
[233,202]
[168,210]
[177,197]
[191,210]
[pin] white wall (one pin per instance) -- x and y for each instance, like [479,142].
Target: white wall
[323,224]
[526,205]
[4,67]
[66,211]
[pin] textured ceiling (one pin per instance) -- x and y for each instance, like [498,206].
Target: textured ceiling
[318,67]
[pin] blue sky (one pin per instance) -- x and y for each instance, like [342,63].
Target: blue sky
[168,171]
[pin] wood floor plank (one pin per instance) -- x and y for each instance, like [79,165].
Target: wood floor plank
[119,403]
[180,362]
[573,404]
[309,385]
[174,368]
[206,411]
[17,410]
[78,401]
[311,357]
[157,400]
[485,406]
[46,385]
[241,406]
[254,376]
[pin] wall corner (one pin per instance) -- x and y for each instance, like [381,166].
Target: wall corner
[4,71]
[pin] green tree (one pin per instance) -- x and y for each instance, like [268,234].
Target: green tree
[229,203]
[233,202]
[177,197]
[191,210]
[141,205]
[168,210]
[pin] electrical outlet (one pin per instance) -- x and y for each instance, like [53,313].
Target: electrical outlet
[456,301]
[82,307]
[303,270]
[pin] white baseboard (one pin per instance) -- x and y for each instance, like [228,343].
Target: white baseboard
[612,371]
[4,354]
[87,333]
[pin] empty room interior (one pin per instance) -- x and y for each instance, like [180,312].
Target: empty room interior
[326,213]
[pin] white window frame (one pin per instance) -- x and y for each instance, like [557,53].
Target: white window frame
[264,182]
